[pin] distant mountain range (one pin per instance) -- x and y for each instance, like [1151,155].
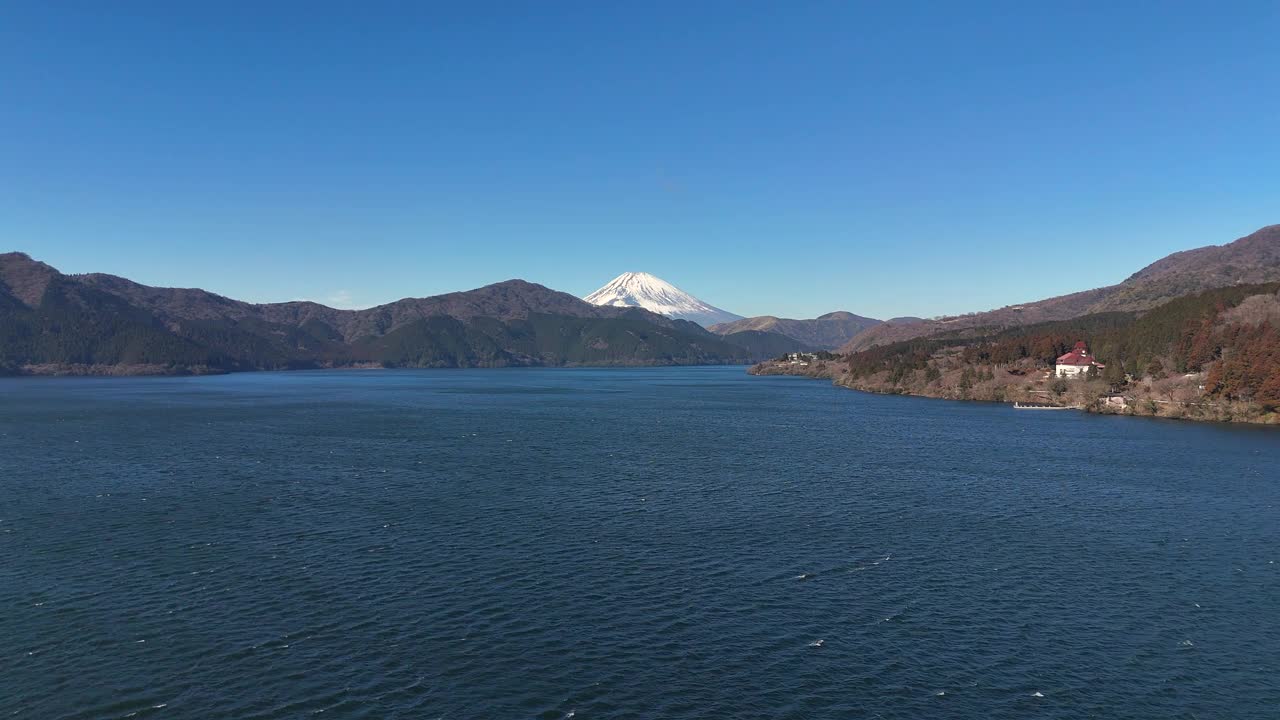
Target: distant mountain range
[56,323]
[1254,258]
[640,289]
[825,332]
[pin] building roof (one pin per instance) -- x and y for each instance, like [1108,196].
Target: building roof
[1079,357]
[1075,357]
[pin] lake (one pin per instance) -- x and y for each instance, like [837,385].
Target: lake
[638,543]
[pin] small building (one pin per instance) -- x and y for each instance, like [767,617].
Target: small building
[1076,362]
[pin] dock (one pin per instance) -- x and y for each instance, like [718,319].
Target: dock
[1034,406]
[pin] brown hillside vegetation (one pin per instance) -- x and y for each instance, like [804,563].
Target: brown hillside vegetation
[1210,356]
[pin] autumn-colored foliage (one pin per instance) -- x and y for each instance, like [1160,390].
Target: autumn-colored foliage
[1250,365]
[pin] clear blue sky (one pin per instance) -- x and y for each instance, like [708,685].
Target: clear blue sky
[780,158]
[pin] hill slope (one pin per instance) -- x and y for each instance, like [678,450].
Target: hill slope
[1254,258]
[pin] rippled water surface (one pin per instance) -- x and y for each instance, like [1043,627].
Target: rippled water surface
[666,543]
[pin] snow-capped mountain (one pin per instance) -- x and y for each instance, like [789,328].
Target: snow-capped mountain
[639,289]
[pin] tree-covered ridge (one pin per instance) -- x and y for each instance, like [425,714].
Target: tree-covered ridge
[79,326]
[542,339]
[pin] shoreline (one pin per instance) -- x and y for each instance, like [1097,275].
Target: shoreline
[136,371]
[1144,407]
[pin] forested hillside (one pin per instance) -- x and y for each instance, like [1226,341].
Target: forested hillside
[55,323]
[1231,334]
[1214,355]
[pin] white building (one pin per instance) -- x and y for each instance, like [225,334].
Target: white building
[1076,362]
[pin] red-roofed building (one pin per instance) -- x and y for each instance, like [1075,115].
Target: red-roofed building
[1075,362]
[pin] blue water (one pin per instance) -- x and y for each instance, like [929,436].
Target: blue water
[657,543]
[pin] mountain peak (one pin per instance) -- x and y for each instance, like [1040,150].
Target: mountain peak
[638,275]
[642,289]
[642,280]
